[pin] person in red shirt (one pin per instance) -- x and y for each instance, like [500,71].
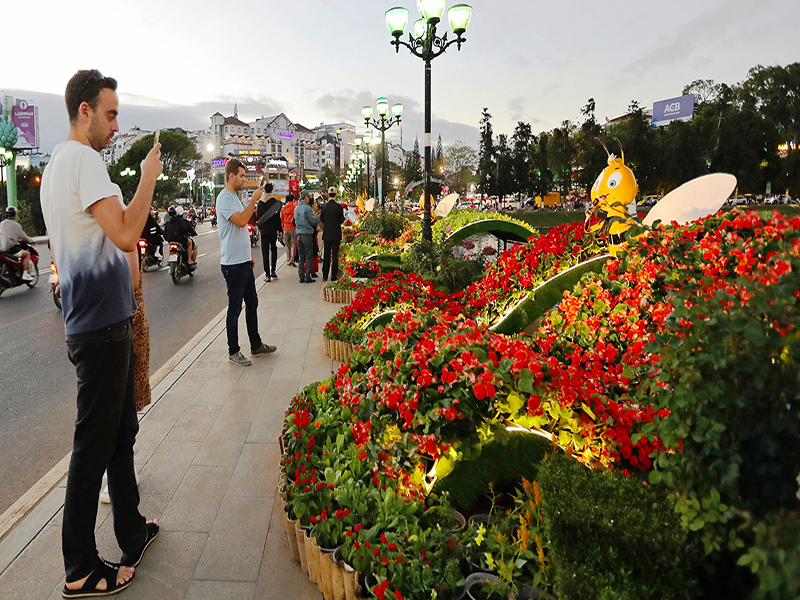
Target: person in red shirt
[287,222]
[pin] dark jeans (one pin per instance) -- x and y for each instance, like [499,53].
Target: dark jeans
[331,259]
[105,432]
[305,251]
[269,244]
[241,286]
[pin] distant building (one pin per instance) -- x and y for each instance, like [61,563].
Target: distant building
[121,144]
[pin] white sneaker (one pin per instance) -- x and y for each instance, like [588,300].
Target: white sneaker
[26,276]
[105,497]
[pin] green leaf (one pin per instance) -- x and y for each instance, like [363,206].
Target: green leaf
[655,477]
[588,410]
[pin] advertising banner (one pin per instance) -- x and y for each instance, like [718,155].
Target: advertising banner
[26,117]
[666,111]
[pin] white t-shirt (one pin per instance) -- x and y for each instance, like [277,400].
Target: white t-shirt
[96,288]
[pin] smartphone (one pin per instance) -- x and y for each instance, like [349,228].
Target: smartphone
[263,182]
[158,133]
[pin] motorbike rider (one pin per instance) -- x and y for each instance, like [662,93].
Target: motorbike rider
[13,238]
[178,229]
[153,234]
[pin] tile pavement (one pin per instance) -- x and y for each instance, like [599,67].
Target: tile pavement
[207,454]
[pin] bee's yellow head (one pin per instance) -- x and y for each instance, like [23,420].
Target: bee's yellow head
[615,187]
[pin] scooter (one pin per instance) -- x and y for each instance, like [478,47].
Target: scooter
[55,291]
[179,262]
[11,270]
[253,234]
[150,254]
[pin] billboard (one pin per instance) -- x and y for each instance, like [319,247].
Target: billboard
[666,111]
[26,117]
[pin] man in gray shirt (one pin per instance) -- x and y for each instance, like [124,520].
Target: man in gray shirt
[236,261]
[305,225]
[12,236]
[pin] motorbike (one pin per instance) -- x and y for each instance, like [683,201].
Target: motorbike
[253,230]
[150,253]
[11,270]
[55,291]
[213,220]
[179,262]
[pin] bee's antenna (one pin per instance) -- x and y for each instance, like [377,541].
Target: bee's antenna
[621,151]
[604,147]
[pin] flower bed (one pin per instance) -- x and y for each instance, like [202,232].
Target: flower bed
[640,372]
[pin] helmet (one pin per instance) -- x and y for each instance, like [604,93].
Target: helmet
[179,210]
[171,211]
[332,191]
[11,212]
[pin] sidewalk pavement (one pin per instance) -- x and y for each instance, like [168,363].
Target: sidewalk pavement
[208,454]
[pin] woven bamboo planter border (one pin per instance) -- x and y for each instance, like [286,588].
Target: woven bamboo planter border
[339,296]
[337,350]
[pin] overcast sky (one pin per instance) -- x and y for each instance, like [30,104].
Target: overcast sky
[179,61]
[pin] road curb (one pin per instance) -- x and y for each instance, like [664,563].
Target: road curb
[173,369]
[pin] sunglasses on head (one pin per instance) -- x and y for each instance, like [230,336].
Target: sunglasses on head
[93,77]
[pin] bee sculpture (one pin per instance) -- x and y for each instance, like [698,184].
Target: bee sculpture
[613,191]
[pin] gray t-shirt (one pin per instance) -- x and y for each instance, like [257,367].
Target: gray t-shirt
[234,241]
[95,279]
[11,234]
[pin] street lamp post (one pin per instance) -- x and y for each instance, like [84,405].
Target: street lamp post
[7,160]
[366,141]
[424,43]
[382,124]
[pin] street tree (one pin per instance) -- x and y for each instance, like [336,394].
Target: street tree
[460,164]
[504,165]
[438,161]
[178,153]
[521,154]
[486,156]
[561,156]
[413,166]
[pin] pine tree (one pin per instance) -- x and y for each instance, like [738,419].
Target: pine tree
[486,156]
[521,152]
[413,167]
[438,162]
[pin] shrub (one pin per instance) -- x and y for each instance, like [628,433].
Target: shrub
[503,462]
[385,224]
[610,537]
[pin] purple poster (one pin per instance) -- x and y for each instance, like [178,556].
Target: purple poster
[666,111]
[26,117]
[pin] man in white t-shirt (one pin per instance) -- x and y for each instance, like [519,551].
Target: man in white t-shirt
[236,261]
[90,231]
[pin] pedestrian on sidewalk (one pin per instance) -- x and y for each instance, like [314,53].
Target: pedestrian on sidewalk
[90,231]
[237,262]
[268,219]
[332,217]
[287,223]
[305,223]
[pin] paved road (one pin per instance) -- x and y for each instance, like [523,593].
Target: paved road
[37,381]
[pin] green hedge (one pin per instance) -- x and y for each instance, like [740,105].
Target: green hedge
[503,462]
[611,536]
